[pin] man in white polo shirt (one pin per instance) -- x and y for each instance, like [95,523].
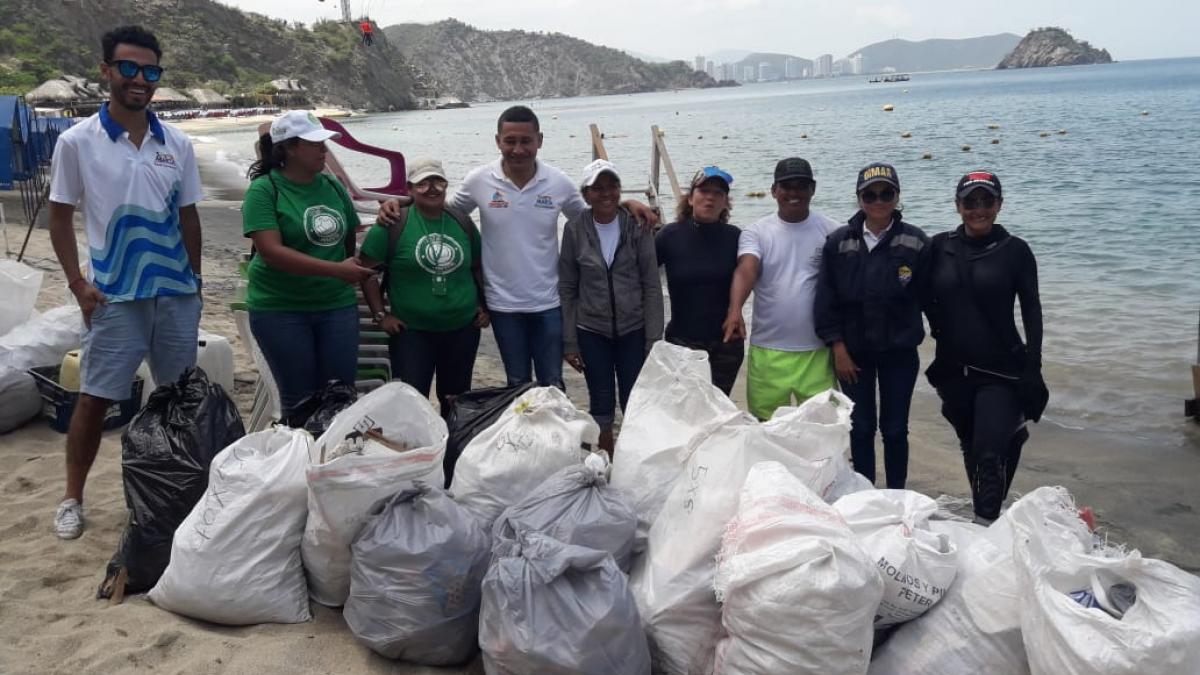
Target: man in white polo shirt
[519,201]
[779,257]
[137,182]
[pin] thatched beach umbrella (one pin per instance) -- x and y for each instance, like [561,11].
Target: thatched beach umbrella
[208,97]
[54,91]
[169,95]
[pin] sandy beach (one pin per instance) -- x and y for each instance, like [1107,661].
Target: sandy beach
[51,623]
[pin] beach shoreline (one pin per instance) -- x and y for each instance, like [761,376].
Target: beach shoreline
[51,623]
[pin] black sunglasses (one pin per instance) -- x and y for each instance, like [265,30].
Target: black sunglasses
[886,196]
[986,201]
[129,70]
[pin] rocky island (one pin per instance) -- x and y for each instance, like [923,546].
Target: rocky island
[1051,46]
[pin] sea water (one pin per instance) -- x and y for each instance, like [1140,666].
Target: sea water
[1100,167]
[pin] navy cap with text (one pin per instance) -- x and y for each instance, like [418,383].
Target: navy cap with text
[877,173]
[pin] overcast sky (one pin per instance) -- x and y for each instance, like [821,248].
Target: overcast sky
[684,28]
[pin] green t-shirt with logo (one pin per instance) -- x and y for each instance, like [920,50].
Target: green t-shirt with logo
[314,219]
[428,249]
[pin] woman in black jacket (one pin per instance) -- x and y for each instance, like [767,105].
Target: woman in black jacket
[868,311]
[988,379]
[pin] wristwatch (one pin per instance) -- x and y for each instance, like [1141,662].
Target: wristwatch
[379,317]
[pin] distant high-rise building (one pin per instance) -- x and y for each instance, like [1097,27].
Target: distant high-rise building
[764,72]
[708,68]
[700,63]
[823,66]
[791,68]
[725,72]
[748,73]
[841,67]
[806,73]
[857,64]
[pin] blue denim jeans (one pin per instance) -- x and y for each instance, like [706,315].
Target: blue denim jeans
[604,357]
[417,355]
[307,349]
[526,338]
[896,373]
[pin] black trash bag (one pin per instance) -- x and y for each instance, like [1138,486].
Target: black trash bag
[314,413]
[165,454]
[470,413]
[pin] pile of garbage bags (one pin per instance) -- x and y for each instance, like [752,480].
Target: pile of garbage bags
[714,543]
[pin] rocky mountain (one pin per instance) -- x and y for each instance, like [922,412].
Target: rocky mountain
[1052,47]
[907,56]
[205,44]
[478,65]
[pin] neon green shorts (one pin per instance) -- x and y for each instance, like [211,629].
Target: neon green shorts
[774,377]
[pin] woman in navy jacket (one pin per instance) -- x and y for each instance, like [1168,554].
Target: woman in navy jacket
[868,310]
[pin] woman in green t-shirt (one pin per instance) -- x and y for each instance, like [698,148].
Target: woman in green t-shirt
[434,286]
[301,296]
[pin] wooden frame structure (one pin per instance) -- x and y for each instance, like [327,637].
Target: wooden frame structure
[660,160]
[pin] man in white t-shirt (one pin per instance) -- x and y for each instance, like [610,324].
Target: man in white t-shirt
[779,258]
[136,181]
[519,200]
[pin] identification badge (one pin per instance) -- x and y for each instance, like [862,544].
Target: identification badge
[439,284]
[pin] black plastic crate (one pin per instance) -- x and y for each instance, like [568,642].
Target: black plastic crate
[58,404]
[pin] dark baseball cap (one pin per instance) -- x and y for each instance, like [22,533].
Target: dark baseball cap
[877,173]
[793,167]
[977,179]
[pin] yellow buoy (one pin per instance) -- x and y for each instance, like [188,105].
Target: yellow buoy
[1044,134]
[1145,112]
[993,126]
[724,138]
[995,141]
[888,107]
[803,135]
[928,155]
[1062,132]
[906,134]
[966,148]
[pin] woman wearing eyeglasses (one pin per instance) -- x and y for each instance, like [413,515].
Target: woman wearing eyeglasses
[989,380]
[434,283]
[611,295]
[301,280]
[868,310]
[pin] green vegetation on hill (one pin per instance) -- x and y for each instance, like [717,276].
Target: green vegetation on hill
[1052,46]
[206,44]
[479,65]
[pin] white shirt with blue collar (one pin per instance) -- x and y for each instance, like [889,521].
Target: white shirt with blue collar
[519,232]
[130,200]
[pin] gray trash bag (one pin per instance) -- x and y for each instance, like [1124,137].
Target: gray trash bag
[555,609]
[415,574]
[19,399]
[575,506]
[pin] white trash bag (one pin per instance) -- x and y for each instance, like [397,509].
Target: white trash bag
[235,559]
[672,402]
[976,627]
[1103,612]
[43,340]
[19,287]
[389,440]
[917,566]
[673,581]
[551,608]
[540,433]
[415,579]
[798,593]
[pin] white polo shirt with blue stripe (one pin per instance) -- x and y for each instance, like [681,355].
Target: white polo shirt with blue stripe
[130,199]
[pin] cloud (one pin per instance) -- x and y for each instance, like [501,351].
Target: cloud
[890,16]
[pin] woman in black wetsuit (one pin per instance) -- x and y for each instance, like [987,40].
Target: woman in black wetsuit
[699,252]
[982,370]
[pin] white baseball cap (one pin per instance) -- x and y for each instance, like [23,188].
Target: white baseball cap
[300,124]
[423,168]
[592,171]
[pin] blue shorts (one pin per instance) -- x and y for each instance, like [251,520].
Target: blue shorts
[163,329]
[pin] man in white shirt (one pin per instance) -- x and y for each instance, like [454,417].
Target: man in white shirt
[519,200]
[779,259]
[137,183]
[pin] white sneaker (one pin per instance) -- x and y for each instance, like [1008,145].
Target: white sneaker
[68,519]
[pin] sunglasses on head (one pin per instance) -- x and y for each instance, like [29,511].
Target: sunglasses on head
[886,195]
[129,70]
[984,201]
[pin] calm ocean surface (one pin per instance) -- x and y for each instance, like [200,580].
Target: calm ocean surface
[1111,208]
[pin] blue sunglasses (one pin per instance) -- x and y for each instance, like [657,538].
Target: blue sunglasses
[129,70]
[711,172]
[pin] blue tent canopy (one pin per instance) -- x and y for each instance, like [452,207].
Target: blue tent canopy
[9,127]
[26,140]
